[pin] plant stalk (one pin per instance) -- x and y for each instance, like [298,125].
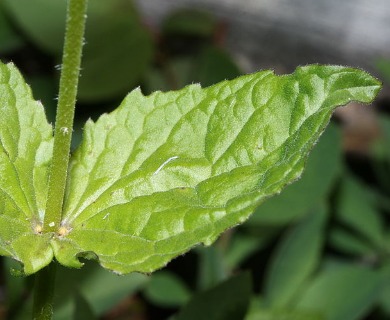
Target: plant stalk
[43,293]
[71,60]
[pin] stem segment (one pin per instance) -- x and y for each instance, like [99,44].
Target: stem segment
[44,292]
[71,60]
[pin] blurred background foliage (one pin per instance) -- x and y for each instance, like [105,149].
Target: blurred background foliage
[319,250]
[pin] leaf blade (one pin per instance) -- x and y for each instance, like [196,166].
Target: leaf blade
[25,155]
[196,162]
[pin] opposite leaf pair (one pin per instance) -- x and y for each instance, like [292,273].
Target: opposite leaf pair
[164,172]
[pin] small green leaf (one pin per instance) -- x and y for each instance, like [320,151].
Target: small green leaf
[211,268]
[384,299]
[25,155]
[166,289]
[100,288]
[296,258]
[242,246]
[214,65]
[350,243]
[384,67]
[9,39]
[283,315]
[165,172]
[227,301]
[14,285]
[82,309]
[357,210]
[190,23]
[343,292]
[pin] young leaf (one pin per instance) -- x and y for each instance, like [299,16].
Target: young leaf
[25,154]
[165,172]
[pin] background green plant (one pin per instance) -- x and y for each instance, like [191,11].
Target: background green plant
[329,235]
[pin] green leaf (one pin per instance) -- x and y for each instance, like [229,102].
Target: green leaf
[344,292]
[283,315]
[82,309]
[350,243]
[214,65]
[14,285]
[166,289]
[384,299]
[45,30]
[9,39]
[295,259]
[101,289]
[384,67]
[357,210]
[211,267]
[165,172]
[118,47]
[190,23]
[227,301]
[322,169]
[25,155]
[242,246]
[207,67]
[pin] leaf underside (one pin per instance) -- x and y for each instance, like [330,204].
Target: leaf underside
[165,172]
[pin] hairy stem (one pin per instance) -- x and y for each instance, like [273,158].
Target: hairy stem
[71,60]
[44,292]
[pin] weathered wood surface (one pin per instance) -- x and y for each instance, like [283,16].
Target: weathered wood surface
[284,33]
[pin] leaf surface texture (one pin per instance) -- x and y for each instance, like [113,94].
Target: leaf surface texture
[163,172]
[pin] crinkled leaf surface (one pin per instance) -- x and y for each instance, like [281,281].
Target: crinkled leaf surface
[25,153]
[165,172]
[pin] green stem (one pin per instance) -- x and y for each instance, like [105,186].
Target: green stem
[71,60]
[43,293]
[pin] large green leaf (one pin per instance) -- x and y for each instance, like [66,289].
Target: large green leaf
[25,154]
[118,47]
[165,172]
